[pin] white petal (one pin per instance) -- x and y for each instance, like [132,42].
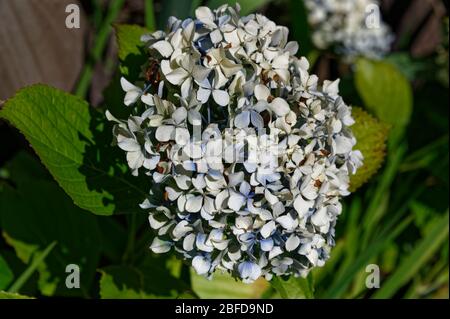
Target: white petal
[194,204]
[181,229]
[159,246]
[242,120]
[343,145]
[279,106]
[164,133]
[221,97]
[128,144]
[172,193]
[188,242]
[154,223]
[148,99]
[216,36]
[302,206]
[243,222]
[287,222]
[236,201]
[266,244]
[203,95]
[179,115]
[272,199]
[235,179]
[267,229]
[177,76]
[292,242]
[204,14]
[131,97]
[164,48]
[183,181]
[249,271]
[182,136]
[320,218]
[256,119]
[262,92]
[201,265]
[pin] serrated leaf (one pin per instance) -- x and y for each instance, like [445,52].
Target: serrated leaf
[6,275]
[131,54]
[74,143]
[8,295]
[37,213]
[371,135]
[385,91]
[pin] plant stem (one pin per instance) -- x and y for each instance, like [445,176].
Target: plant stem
[128,255]
[99,46]
[15,287]
[149,15]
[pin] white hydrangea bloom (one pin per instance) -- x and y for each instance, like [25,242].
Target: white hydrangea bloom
[351,27]
[251,155]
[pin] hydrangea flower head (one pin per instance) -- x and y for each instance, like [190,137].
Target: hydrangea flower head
[351,27]
[248,154]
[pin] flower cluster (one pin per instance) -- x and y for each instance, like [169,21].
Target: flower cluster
[248,154]
[351,27]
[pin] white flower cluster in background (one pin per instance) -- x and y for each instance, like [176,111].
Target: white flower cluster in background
[251,155]
[351,27]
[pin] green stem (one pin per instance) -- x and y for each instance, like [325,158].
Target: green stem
[15,287]
[128,255]
[99,46]
[149,15]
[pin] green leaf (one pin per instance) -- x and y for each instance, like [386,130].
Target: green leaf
[127,282]
[223,286]
[8,295]
[15,287]
[423,252]
[371,136]
[74,143]
[6,275]
[131,54]
[385,91]
[37,213]
[294,288]
[247,6]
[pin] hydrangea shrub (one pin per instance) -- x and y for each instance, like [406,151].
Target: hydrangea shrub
[250,154]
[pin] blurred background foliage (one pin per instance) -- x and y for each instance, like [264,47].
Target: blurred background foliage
[398,220]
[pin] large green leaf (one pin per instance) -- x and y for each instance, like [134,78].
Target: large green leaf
[224,286]
[294,288]
[6,275]
[131,53]
[385,91]
[36,213]
[371,135]
[127,282]
[74,142]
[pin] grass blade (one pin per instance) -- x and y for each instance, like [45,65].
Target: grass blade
[420,255]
